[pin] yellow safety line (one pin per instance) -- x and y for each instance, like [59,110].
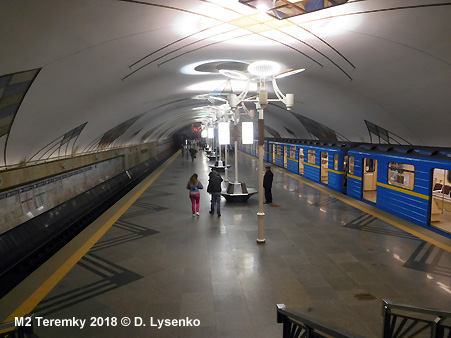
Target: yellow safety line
[107,220]
[444,243]
[355,177]
[404,191]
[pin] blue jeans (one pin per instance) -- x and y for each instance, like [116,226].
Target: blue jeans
[215,199]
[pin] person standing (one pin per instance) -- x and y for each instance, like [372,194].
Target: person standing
[194,185]
[214,188]
[267,184]
[193,152]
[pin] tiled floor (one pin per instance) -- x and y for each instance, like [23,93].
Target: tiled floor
[159,262]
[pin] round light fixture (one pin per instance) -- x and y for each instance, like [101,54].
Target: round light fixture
[264,68]
[289,72]
[233,74]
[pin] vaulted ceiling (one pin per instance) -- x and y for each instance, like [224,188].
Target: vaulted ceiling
[79,75]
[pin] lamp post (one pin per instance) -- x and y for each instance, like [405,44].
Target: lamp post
[261,69]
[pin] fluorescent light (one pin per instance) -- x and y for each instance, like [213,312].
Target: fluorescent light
[264,68]
[289,73]
[262,8]
[247,131]
[211,133]
[223,133]
[204,133]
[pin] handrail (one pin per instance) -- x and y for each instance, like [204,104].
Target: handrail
[296,325]
[424,310]
[414,325]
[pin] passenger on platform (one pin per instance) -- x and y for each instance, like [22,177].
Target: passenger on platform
[193,152]
[267,184]
[231,150]
[182,148]
[214,188]
[194,186]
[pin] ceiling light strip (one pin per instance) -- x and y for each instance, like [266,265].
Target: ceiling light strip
[173,43]
[323,41]
[316,50]
[210,44]
[176,50]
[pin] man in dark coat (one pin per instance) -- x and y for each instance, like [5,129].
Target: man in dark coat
[214,188]
[267,184]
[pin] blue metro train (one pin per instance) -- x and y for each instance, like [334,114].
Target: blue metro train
[411,182]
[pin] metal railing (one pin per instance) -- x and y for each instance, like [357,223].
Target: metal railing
[296,325]
[409,321]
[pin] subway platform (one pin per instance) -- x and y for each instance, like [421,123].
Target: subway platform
[323,257]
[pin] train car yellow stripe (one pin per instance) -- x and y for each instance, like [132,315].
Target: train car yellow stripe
[292,159]
[355,177]
[336,171]
[18,304]
[403,190]
[312,165]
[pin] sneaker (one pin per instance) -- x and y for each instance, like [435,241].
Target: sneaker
[219,215]
[197,213]
[212,212]
[193,215]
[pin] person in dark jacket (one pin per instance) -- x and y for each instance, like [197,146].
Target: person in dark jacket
[214,188]
[193,153]
[267,184]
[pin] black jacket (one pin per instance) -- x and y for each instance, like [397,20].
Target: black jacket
[267,179]
[214,184]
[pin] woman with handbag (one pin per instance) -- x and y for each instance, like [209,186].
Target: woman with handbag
[194,186]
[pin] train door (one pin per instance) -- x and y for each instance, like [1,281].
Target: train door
[273,153]
[285,156]
[345,170]
[370,179]
[441,199]
[301,161]
[324,167]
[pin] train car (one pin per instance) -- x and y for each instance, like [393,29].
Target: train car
[318,161]
[277,153]
[410,182]
[254,151]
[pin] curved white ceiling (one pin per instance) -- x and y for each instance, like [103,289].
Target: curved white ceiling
[119,68]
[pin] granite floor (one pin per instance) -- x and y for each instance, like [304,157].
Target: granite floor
[158,262]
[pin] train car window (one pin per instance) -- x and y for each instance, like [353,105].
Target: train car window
[311,156]
[335,161]
[279,150]
[401,175]
[370,165]
[293,152]
[351,165]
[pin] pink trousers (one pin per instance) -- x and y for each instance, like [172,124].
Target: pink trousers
[195,198]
